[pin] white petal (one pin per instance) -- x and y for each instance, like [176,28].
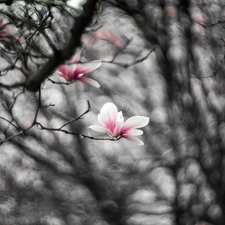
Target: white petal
[108,114]
[99,128]
[80,75]
[134,132]
[119,123]
[76,57]
[71,67]
[120,116]
[100,120]
[90,66]
[109,106]
[134,139]
[136,122]
[89,81]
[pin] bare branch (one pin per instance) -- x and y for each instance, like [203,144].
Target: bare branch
[16,85]
[10,123]
[79,117]
[131,64]
[73,133]
[56,82]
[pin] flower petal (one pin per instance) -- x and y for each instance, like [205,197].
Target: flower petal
[134,132]
[136,122]
[119,123]
[99,128]
[76,57]
[79,75]
[66,72]
[62,69]
[108,116]
[89,67]
[120,116]
[68,76]
[134,139]
[100,120]
[89,81]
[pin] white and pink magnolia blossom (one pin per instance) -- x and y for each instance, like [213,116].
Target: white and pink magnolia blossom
[112,123]
[75,71]
[7,32]
[4,31]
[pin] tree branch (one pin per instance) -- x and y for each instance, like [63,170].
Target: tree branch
[34,81]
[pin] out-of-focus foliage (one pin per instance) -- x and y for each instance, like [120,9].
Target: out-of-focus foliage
[177,177]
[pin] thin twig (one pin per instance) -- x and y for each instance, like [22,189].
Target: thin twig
[7,86]
[215,70]
[10,123]
[56,82]
[79,117]
[72,133]
[131,64]
[15,135]
[39,106]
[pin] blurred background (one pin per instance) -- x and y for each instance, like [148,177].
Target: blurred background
[160,59]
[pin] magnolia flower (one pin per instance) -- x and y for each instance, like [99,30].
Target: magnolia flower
[75,71]
[7,32]
[112,123]
[3,31]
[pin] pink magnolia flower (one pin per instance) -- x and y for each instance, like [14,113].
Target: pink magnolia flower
[75,71]
[3,31]
[112,123]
